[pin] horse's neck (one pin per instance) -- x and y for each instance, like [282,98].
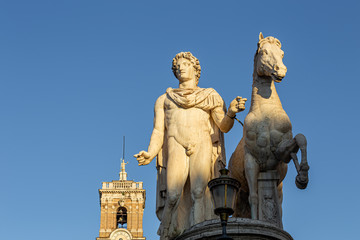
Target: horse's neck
[264,94]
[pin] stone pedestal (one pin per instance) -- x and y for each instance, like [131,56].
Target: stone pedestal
[269,205]
[237,228]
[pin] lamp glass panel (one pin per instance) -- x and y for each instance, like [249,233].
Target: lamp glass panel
[230,197]
[218,196]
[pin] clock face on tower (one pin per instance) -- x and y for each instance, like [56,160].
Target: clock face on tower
[121,234]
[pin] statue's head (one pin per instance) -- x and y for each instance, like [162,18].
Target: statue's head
[268,58]
[186,58]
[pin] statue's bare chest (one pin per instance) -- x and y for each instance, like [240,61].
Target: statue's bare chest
[190,118]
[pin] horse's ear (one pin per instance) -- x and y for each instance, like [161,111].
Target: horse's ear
[261,36]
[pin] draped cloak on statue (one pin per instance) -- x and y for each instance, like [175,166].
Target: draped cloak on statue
[206,99]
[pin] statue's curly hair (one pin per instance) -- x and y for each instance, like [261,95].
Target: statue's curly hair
[195,62]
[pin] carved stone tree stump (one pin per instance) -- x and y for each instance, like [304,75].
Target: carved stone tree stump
[269,205]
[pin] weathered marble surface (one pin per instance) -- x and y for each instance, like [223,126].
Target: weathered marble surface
[268,143]
[189,144]
[237,228]
[269,205]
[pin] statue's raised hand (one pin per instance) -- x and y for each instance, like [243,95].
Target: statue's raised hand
[143,158]
[237,105]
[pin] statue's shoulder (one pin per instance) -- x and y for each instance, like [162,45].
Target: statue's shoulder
[168,90]
[160,100]
[162,96]
[212,92]
[209,90]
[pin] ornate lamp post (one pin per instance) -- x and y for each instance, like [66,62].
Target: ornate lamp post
[223,191]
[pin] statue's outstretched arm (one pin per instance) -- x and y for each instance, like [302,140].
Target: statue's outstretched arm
[157,136]
[226,121]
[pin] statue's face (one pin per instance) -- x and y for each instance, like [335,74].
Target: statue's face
[184,69]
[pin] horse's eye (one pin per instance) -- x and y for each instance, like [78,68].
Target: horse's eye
[265,52]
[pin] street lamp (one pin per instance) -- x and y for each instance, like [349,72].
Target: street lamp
[223,190]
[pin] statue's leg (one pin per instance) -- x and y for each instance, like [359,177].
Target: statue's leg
[200,170]
[280,195]
[251,173]
[284,150]
[282,170]
[302,178]
[287,150]
[177,171]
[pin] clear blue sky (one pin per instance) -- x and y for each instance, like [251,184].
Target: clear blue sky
[76,76]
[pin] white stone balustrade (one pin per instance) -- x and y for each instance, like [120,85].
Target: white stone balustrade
[122,185]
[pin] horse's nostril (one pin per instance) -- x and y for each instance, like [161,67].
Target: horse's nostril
[277,68]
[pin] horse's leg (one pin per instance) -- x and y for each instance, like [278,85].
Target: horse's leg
[251,173]
[287,150]
[280,195]
[282,169]
[302,178]
[284,150]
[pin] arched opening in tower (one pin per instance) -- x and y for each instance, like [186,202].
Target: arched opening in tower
[121,217]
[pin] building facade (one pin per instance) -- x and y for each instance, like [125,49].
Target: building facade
[122,204]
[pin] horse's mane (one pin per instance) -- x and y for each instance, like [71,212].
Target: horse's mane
[266,40]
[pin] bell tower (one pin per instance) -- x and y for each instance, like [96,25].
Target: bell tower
[122,204]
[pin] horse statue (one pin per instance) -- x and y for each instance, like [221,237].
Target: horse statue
[267,143]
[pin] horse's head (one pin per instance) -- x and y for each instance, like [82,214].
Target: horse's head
[268,59]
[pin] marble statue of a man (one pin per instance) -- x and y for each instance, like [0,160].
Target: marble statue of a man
[188,142]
